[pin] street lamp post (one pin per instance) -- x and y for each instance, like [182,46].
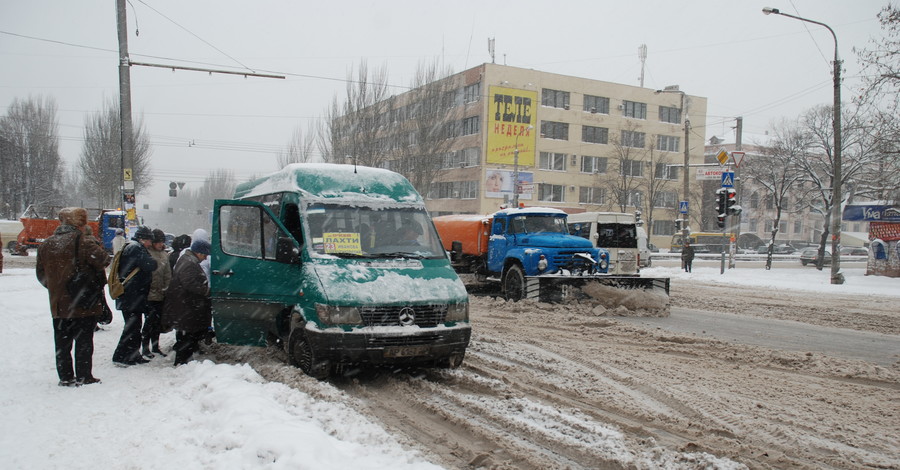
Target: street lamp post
[516,169]
[836,276]
[685,230]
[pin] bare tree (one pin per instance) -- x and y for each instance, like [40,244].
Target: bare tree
[660,183]
[300,148]
[352,130]
[101,156]
[629,147]
[421,142]
[777,170]
[879,179]
[881,62]
[30,164]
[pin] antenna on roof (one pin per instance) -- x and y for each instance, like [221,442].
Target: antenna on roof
[491,48]
[642,54]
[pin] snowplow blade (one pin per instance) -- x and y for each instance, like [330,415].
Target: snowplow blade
[630,292]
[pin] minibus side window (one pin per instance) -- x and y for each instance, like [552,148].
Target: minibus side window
[248,232]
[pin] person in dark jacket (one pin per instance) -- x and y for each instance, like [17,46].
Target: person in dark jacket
[187,307]
[687,256]
[178,245]
[133,302]
[72,325]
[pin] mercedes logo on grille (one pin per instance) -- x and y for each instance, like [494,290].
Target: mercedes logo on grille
[407,316]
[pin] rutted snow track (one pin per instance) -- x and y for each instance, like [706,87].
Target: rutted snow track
[557,387]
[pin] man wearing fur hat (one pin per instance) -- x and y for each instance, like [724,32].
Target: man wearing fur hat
[133,303]
[72,324]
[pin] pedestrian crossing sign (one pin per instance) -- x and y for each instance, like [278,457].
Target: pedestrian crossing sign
[728,179]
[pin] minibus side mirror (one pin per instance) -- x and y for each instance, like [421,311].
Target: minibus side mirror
[286,252]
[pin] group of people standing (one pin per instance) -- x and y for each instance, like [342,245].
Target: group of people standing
[163,291]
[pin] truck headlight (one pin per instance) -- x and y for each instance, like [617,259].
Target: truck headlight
[337,315]
[458,312]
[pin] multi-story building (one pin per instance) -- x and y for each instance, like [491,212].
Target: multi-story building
[574,143]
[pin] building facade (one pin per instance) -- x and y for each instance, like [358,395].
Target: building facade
[572,143]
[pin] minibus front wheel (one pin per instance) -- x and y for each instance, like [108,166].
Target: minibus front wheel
[301,355]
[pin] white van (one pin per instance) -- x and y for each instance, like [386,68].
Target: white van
[618,233]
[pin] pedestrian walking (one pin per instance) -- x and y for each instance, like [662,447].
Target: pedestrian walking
[187,307]
[687,256]
[158,285]
[133,302]
[75,307]
[119,241]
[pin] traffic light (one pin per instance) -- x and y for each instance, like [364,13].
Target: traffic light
[678,224]
[731,206]
[721,207]
[173,191]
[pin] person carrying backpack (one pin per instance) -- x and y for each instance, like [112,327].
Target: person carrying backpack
[133,302]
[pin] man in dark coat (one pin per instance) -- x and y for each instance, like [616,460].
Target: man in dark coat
[187,307]
[133,302]
[55,265]
[687,256]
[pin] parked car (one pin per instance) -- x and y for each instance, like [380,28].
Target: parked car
[854,251]
[784,249]
[809,255]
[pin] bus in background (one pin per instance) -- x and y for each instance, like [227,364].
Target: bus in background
[703,242]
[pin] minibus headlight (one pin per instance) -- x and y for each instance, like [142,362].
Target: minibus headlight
[458,312]
[338,315]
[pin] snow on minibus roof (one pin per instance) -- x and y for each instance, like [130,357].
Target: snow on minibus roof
[333,181]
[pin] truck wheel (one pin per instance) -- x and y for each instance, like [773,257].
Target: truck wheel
[514,283]
[302,355]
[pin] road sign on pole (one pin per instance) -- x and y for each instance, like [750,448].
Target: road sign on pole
[738,157]
[683,207]
[728,179]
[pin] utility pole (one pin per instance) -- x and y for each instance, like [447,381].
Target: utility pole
[738,147]
[125,125]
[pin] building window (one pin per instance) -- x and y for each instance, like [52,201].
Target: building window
[770,202]
[753,226]
[635,198]
[462,158]
[665,171]
[664,199]
[754,201]
[470,125]
[472,93]
[551,192]
[454,190]
[663,227]
[591,195]
[593,164]
[454,128]
[634,109]
[594,135]
[596,104]
[555,98]
[553,161]
[770,224]
[798,226]
[667,114]
[554,130]
[668,143]
[632,168]
[633,139]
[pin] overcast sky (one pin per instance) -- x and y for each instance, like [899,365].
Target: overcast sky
[761,67]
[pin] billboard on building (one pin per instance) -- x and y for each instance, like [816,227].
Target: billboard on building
[510,114]
[499,183]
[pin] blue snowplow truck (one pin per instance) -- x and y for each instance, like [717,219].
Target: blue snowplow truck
[529,251]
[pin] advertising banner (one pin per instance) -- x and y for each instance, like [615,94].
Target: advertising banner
[499,183]
[510,114]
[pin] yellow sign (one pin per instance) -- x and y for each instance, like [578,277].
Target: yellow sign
[342,242]
[510,114]
[127,175]
[722,157]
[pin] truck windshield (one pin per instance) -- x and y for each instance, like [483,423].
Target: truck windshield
[365,232]
[538,223]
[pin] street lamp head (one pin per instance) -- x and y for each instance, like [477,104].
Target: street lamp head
[769,10]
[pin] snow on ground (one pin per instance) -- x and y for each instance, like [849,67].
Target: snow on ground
[799,278]
[201,415]
[206,415]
